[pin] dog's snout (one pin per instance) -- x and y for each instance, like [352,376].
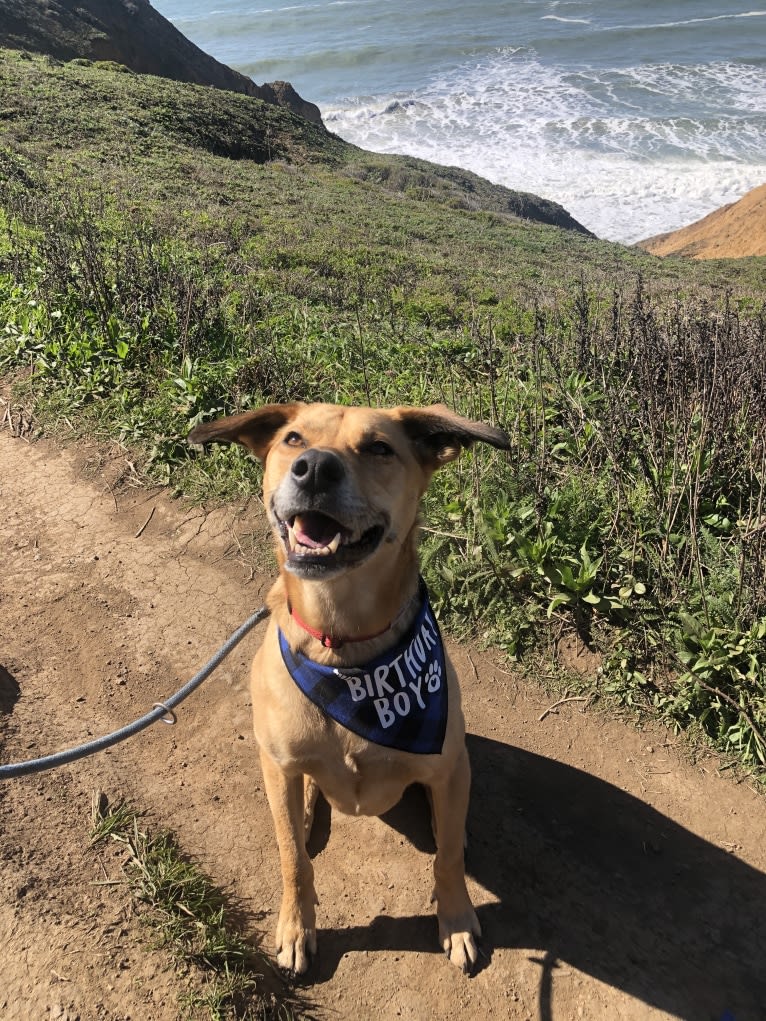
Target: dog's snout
[316,471]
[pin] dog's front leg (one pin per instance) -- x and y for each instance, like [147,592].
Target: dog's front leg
[458,924]
[296,929]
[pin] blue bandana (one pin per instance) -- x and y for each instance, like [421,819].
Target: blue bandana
[398,700]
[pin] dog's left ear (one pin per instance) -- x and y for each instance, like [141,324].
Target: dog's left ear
[438,434]
[253,429]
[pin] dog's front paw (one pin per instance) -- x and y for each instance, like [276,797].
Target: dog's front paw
[296,942]
[458,938]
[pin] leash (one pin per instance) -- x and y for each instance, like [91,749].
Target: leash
[159,711]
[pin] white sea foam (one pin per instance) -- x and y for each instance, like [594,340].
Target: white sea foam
[566,21]
[692,21]
[630,152]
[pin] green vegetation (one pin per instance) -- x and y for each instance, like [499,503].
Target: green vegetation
[169,253]
[187,916]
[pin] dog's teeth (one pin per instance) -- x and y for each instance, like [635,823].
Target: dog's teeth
[295,546]
[321,551]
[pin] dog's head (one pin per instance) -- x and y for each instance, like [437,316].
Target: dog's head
[340,483]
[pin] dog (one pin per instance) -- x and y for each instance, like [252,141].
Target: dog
[352,693]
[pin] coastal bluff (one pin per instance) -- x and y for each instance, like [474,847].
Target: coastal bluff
[132,33]
[734,231]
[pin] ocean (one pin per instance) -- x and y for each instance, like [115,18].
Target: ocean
[637,118]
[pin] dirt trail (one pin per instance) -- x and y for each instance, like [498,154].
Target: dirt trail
[613,879]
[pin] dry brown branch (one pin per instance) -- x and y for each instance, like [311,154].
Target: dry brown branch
[139,533]
[561,701]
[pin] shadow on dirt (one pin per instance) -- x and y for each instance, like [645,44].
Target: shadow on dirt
[9,691]
[594,878]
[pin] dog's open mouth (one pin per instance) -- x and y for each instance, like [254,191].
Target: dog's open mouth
[316,543]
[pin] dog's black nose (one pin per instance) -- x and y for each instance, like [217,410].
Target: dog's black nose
[316,471]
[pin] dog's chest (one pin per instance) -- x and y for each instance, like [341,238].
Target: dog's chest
[355,776]
[359,781]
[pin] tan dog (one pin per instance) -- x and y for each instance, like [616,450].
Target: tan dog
[342,488]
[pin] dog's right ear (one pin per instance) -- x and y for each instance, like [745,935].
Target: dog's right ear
[253,429]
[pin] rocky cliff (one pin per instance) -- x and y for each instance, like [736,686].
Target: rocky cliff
[731,232]
[132,33]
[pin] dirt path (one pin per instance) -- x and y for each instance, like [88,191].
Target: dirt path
[614,880]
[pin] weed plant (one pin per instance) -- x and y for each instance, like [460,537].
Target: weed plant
[630,508]
[187,916]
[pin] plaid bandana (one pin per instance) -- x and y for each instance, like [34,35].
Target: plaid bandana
[398,700]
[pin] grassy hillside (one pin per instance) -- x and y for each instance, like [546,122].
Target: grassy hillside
[169,252]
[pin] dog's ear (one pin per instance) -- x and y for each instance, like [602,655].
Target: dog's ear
[438,434]
[253,429]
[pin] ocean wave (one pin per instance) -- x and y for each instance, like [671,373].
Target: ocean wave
[566,21]
[630,152]
[691,21]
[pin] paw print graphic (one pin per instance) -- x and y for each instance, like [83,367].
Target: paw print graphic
[434,677]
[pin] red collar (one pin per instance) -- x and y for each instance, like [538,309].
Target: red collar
[332,641]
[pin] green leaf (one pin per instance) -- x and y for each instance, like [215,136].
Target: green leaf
[557,601]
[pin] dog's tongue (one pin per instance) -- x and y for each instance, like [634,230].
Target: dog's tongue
[314,530]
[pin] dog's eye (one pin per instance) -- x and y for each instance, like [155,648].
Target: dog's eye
[379,449]
[294,439]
